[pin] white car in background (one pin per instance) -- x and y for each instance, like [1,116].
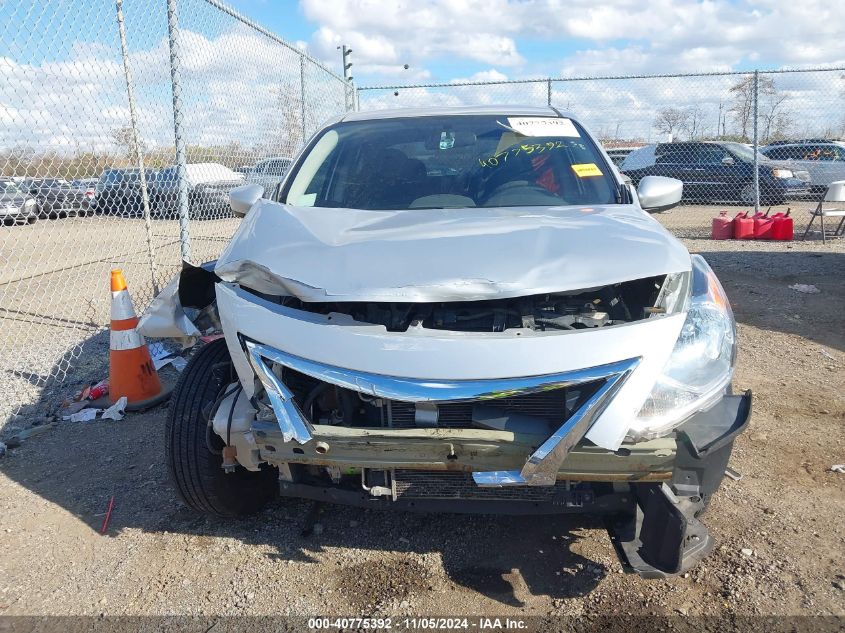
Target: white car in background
[208,187]
[269,173]
[459,310]
[823,160]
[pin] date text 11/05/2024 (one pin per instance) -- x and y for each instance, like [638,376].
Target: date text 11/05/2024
[417,624]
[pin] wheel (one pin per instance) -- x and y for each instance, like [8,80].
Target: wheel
[746,194]
[31,219]
[195,469]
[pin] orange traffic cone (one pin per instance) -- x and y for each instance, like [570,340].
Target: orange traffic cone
[131,370]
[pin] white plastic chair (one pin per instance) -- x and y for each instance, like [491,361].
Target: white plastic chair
[835,193]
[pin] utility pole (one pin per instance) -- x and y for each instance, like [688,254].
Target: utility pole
[346,52]
[719,121]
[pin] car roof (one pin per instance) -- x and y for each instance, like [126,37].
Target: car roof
[799,143]
[504,110]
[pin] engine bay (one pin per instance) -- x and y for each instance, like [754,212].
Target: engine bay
[596,307]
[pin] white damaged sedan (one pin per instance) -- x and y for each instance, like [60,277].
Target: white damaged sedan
[459,310]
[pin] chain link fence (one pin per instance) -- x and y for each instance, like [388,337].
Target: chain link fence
[123,126]
[702,129]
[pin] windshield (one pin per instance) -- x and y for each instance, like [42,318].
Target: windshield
[7,186]
[451,161]
[745,153]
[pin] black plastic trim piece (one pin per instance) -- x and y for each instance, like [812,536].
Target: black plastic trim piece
[582,502]
[713,429]
[662,538]
[704,445]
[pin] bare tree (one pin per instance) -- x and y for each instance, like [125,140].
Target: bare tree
[124,139]
[743,95]
[776,119]
[285,121]
[694,121]
[671,121]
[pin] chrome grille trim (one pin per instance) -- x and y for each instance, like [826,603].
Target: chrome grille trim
[542,465]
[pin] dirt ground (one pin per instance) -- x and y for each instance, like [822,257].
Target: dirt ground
[780,530]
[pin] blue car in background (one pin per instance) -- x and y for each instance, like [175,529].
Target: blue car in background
[716,171]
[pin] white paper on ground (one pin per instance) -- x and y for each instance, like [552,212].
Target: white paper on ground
[115,412]
[177,361]
[86,415]
[159,350]
[543,126]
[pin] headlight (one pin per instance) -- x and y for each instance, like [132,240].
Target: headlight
[29,203]
[782,173]
[701,365]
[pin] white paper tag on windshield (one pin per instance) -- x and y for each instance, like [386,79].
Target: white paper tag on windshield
[543,126]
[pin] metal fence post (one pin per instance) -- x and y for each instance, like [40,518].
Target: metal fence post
[755,143]
[548,92]
[181,151]
[136,143]
[302,92]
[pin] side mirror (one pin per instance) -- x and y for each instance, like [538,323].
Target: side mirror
[658,193]
[242,198]
[727,160]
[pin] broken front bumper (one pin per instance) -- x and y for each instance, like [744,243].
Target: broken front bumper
[543,463]
[652,491]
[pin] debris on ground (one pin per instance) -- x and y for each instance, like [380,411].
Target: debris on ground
[76,409]
[747,551]
[15,440]
[838,468]
[164,353]
[109,509]
[85,415]
[808,289]
[116,411]
[827,354]
[99,390]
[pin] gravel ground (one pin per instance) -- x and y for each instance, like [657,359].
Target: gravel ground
[779,530]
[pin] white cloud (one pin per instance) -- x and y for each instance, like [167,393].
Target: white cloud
[237,86]
[656,36]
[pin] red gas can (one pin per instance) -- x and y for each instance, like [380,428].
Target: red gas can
[783,227]
[723,227]
[743,227]
[763,225]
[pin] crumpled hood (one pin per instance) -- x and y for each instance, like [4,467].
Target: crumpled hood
[425,255]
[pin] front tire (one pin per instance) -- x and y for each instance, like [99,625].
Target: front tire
[746,194]
[195,469]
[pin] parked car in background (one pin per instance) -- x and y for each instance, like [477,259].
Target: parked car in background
[209,185]
[56,198]
[823,160]
[118,192]
[618,154]
[269,173]
[16,205]
[716,171]
[459,310]
[88,186]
